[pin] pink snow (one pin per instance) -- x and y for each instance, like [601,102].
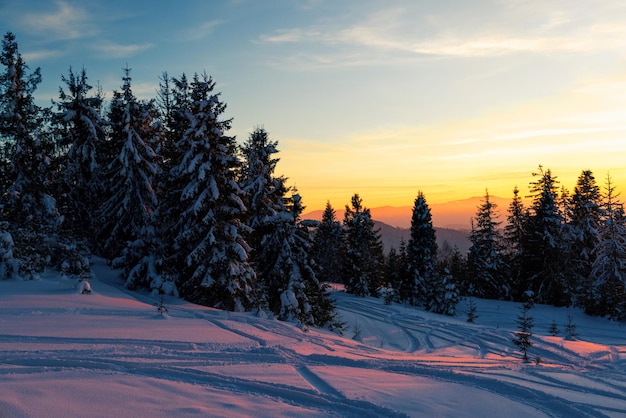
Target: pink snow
[110,353]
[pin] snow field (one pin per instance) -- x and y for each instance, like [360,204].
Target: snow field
[110,353]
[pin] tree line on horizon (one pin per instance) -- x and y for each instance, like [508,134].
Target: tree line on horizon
[563,249]
[159,189]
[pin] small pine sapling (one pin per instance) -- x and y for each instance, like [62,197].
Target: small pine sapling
[471,312]
[570,327]
[554,329]
[160,305]
[525,325]
[388,294]
[357,332]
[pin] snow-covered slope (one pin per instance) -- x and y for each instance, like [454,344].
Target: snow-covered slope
[108,354]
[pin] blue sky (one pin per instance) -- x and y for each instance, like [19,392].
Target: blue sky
[383,98]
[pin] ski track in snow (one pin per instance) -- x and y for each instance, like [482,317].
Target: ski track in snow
[397,341]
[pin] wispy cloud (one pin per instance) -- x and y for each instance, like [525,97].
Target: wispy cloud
[368,32]
[413,32]
[121,51]
[289,35]
[34,56]
[592,40]
[202,31]
[65,21]
[551,132]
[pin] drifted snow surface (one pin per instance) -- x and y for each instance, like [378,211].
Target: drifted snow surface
[109,353]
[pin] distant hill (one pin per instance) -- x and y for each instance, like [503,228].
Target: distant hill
[449,215]
[452,221]
[392,236]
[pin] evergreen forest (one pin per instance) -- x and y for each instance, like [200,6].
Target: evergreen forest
[160,190]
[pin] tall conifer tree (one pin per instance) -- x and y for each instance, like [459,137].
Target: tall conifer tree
[83,134]
[514,238]
[486,264]
[607,294]
[126,218]
[583,232]
[27,198]
[171,102]
[329,246]
[364,251]
[266,215]
[205,207]
[288,271]
[281,243]
[28,203]
[543,248]
[263,190]
[422,253]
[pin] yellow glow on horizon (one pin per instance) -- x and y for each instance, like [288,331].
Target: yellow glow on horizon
[584,128]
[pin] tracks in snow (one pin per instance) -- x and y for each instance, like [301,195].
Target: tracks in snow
[303,356]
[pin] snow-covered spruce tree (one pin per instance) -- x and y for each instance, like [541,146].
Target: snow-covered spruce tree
[392,274]
[208,254]
[403,286]
[144,256]
[563,203]
[456,264]
[264,192]
[443,295]
[543,247]
[487,267]
[127,229]
[83,132]
[173,103]
[422,281]
[608,272]
[329,246]
[27,203]
[281,242]
[263,198]
[514,237]
[362,267]
[583,233]
[173,100]
[166,107]
[292,276]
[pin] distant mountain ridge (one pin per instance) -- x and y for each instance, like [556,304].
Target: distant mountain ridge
[456,214]
[392,236]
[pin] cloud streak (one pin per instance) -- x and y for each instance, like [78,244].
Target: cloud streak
[406,34]
[202,31]
[121,51]
[34,56]
[65,22]
[288,36]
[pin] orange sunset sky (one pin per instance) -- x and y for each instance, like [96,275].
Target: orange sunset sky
[372,97]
